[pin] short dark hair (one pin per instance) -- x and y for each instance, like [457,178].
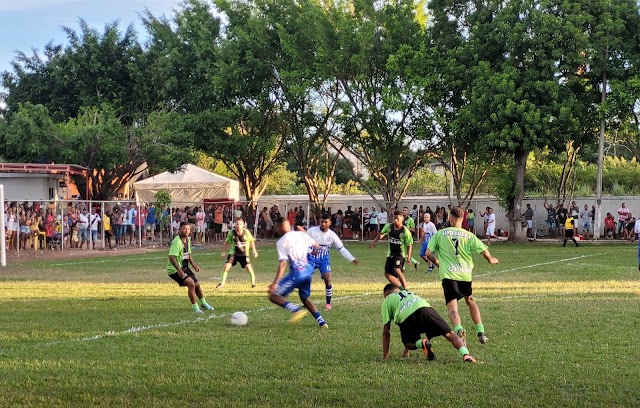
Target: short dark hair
[397,212]
[456,212]
[389,287]
[183,223]
[326,216]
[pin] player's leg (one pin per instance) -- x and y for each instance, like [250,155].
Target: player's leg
[225,270]
[249,269]
[201,299]
[452,293]
[328,286]
[304,290]
[191,292]
[279,297]
[474,311]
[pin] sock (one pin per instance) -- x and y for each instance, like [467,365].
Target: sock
[413,261]
[194,306]
[419,344]
[253,277]
[224,278]
[329,293]
[319,318]
[479,328]
[203,301]
[291,307]
[463,351]
[457,328]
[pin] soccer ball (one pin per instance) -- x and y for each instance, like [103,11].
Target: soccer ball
[239,319]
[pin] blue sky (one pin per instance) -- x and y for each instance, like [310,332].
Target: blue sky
[27,24]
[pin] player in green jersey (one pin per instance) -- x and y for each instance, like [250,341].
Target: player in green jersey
[400,245]
[411,225]
[455,247]
[415,316]
[178,268]
[240,241]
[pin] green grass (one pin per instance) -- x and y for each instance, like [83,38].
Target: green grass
[115,331]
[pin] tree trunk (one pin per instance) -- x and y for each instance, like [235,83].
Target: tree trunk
[517,233]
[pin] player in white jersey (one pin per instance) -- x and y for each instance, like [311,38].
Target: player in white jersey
[327,239]
[428,230]
[294,247]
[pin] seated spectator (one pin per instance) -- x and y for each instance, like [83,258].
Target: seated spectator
[609,226]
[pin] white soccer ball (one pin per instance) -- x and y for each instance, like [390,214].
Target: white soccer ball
[239,319]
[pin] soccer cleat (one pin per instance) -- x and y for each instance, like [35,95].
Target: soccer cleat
[430,270]
[468,358]
[482,338]
[324,326]
[253,285]
[220,285]
[415,265]
[462,333]
[426,347]
[327,306]
[297,316]
[198,311]
[206,306]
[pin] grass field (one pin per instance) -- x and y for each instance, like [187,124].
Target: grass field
[114,331]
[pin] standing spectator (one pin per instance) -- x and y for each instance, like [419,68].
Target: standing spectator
[106,225]
[528,216]
[130,220]
[94,220]
[200,225]
[339,223]
[83,227]
[491,225]
[609,226]
[217,223]
[347,217]
[356,223]
[383,218]
[291,215]
[551,215]
[622,217]
[485,217]
[366,221]
[471,220]
[585,219]
[561,215]
[575,212]
[373,223]
[150,224]
[300,217]
[117,225]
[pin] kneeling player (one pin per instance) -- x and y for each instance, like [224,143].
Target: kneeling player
[415,316]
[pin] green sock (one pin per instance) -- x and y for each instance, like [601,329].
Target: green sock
[194,306]
[463,351]
[224,277]
[479,328]
[203,301]
[457,328]
[419,344]
[253,277]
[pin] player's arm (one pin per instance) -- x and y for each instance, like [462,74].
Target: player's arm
[487,255]
[174,261]
[386,340]
[378,237]
[253,248]
[430,256]
[281,268]
[192,263]
[225,246]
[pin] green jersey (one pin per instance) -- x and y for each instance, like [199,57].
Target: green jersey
[239,243]
[399,240]
[400,305]
[181,253]
[455,248]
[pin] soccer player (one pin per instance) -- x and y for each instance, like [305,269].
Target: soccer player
[411,225]
[240,239]
[294,247]
[400,245]
[455,247]
[326,238]
[181,273]
[429,230]
[568,231]
[415,316]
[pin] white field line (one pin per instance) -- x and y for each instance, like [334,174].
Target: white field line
[536,265]
[138,329]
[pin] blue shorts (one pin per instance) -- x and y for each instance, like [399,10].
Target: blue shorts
[294,281]
[322,265]
[423,248]
[94,235]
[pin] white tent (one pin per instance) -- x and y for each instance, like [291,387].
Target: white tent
[189,186]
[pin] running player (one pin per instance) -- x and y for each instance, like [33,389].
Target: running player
[455,247]
[429,230]
[415,316]
[181,249]
[326,238]
[400,245]
[294,247]
[411,225]
[239,239]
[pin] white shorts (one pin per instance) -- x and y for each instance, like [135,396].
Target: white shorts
[491,230]
[200,228]
[529,223]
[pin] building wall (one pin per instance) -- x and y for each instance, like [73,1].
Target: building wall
[29,187]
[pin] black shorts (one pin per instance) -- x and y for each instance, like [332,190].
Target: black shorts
[241,259]
[393,262]
[424,320]
[217,228]
[355,227]
[456,290]
[180,281]
[108,234]
[568,233]
[373,227]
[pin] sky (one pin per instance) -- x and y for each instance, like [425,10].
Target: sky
[27,24]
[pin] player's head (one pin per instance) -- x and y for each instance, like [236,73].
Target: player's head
[398,218]
[325,222]
[389,289]
[283,226]
[405,211]
[455,214]
[239,223]
[185,229]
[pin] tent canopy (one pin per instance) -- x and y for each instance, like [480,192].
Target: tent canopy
[190,186]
